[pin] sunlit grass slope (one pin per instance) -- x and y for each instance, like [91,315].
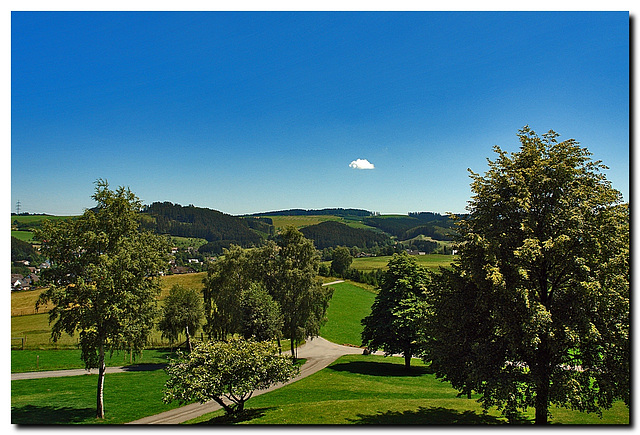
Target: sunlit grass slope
[347,307]
[371,389]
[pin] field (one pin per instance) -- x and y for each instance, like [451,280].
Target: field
[280,222]
[36,329]
[25,236]
[23,302]
[431,261]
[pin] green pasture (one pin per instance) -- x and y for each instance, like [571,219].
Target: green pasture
[358,389]
[38,218]
[431,261]
[25,236]
[348,306]
[280,222]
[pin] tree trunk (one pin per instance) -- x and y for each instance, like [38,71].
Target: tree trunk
[407,360]
[227,409]
[542,401]
[542,379]
[293,350]
[186,332]
[100,395]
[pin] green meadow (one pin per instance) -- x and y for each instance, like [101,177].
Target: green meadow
[358,389]
[431,261]
[347,307]
[72,400]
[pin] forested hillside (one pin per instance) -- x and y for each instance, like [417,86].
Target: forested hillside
[331,234]
[218,228]
[434,225]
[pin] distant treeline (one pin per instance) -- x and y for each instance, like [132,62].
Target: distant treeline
[341,212]
[434,225]
[221,230]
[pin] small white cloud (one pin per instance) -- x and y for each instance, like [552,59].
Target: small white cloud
[361,164]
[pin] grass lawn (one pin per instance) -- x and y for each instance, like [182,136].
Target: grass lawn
[347,307]
[72,400]
[35,360]
[359,389]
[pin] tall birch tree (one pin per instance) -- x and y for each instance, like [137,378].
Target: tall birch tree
[103,278]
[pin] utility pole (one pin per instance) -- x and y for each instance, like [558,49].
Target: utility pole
[18,207]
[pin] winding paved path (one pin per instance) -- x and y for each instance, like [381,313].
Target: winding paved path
[79,372]
[318,352]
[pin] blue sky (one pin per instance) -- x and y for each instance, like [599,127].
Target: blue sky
[247,112]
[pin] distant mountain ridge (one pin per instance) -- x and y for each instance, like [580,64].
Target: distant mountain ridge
[340,212]
[355,227]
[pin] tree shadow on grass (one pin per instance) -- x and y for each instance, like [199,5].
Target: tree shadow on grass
[144,367]
[246,415]
[374,368]
[31,414]
[427,415]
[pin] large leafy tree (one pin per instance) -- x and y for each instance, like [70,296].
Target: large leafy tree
[397,319]
[230,370]
[293,283]
[536,310]
[103,278]
[287,270]
[226,279]
[342,260]
[182,313]
[260,316]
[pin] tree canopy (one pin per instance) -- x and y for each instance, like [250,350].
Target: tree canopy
[103,278]
[287,270]
[396,323]
[182,313]
[231,369]
[536,310]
